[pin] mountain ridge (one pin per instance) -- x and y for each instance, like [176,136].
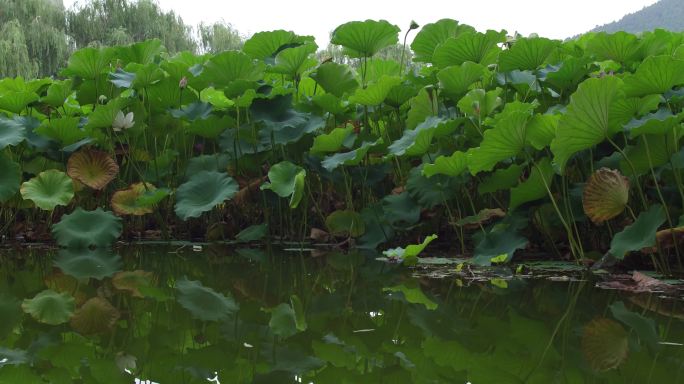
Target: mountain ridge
[665,14]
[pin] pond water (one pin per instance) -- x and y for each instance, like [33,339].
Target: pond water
[171,314]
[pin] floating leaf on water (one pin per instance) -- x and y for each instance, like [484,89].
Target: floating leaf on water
[203,302]
[95,316]
[605,344]
[605,195]
[82,229]
[409,255]
[93,168]
[50,307]
[49,189]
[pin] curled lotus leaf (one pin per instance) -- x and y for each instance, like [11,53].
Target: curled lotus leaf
[604,344]
[132,281]
[97,315]
[202,192]
[49,189]
[127,201]
[605,195]
[82,229]
[93,168]
[203,302]
[50,307]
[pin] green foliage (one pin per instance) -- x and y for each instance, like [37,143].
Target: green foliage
[50,307]
[641,234]
[203,302]
[202,192]
[83,229]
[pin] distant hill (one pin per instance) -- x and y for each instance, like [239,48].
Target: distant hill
[666,14]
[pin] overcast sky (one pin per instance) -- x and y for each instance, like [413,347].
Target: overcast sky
[548,18]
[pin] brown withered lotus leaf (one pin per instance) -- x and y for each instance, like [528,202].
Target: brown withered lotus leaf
[124,202]
[131,281]
[604,344]
[482,217]
[93,168]
[666,239]
[62,283]
[95,316]
[605,195]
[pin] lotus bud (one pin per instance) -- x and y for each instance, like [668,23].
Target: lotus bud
[102,99]
[183,82]
[413,25]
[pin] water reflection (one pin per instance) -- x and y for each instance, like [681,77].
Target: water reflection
[171,315]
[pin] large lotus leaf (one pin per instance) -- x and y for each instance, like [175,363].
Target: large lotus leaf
[127,201]
[333,141]
[144,52]
[375,93]
[12,132]
[229,66]
[330,103]
[479,103]
[334,78]
[378,230]
[121,78]
[216,97]
[49,189]
[16,102]
[504,141]
[605,195]
[203,302]
[263,45]
[416,142]
[282,123]
[527,54]
[65,130]
[640,234]
[644,326]
[286,180]
[621,47]
[413,294]
[434,34]
[431,191]
[541,130]
[377,68]
[211,127]
[650,152]
[353,157]
[658,123]
[252,233]
[294,61]
[105,115]
[202,192]
[216,163]
[89,63]
[409,255]
[400,94]
[10,178]
[82,229]
[400,209]
[456,80]
[656,74]
[501,179]
[194,111]
[50,307]
[97,315]
[453,165]
[345,223]
[365,38]
[605,344]
[288,319]
[591,117]
[93,168]
[422,106]
[481,48]
[568,74]
[535,187]
[498,245]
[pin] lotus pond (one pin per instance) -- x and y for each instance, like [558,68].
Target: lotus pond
[169,314]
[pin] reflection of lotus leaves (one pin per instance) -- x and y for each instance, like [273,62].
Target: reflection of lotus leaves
[204,303]
[95,316]
[82,229]
[10,313]
[87,263]
[50,307]
[604,344]
[132,281]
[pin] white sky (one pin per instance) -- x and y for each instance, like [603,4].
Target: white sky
[549,18]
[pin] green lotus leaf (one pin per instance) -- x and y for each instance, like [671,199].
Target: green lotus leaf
[89,63]
[16,102]
[12,132]
[217,98]
[480,48]
[146,76]
[143,52]
[604,344]
[330,103]
[10,178]
[400,209]
[621,47]
[453,165]
[501,179]
[416,142]
[49,189]
[286,180]
[498,245]
[643,326]
[479,103]
[203,302]
[263,45]
[10,312]
[482,217]
[640,234]
[202,192]
[535,187]
[127,201]
[65,130]
[506,140]
[422,106]
[353,157]
[656,74]
[431,191]
[50,307]
[591,117]
[567,75]
[215,163]
[333,141]
[211,127]
[294,61]
[121,78]
[456,80]
[375,93]
[376,68]
[413,294]
[409,255]
[434,34]
[95,316]
[541,130]
[605,195]
[93,168]
[82,229]
[194,111]
[252,233]
[282,123]
[229,66]
[365,38]
[105,115]
[401,94]
[345,223]
[658,123]
[378,230]
[650,152]
[283,321]
[334,78]
[527,54]
[87,263]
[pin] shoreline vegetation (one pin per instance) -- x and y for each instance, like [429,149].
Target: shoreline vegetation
[485,143]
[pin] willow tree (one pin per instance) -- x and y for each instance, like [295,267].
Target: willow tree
[219,37]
